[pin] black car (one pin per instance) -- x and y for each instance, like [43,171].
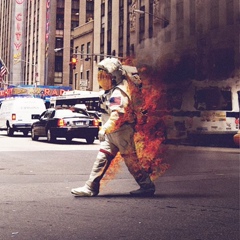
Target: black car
[64,123]
[90,114]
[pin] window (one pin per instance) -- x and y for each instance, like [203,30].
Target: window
[109,5]
[230,12]
[75,14]
[82,50]
[213,98]
[102,33]
[88,47]
[141,26]
[87,74]
[76,49]
[150,26]
[74,24]
[60,3]
[58,63]
[102,9]
[109,28]
[121,28]
[102,37]
[89,10]
[48,114]
[76,80]
[59,43]
[60,19]
[75,4]
[214,14]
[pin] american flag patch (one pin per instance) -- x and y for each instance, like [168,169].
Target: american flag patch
[114,101]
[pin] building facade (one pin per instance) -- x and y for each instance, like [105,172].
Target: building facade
[5,33]
[200,42]
[181,39]
[83,51]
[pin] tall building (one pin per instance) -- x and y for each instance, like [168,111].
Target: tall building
[200,42]
[30,31]
[21,44]
[182,39]
[185,38]
[5,32]
[83,48]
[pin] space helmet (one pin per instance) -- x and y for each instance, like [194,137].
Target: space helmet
[110,73]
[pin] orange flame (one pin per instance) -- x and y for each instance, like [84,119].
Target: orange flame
[149,128]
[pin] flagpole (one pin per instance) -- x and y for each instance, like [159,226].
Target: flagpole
[4,65]
[2,76]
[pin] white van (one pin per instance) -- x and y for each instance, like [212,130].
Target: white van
[18,114]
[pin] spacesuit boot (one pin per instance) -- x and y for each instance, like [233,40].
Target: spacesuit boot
[91,187]
[84,191]
[147,187]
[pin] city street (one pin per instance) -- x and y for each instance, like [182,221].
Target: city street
[196,199]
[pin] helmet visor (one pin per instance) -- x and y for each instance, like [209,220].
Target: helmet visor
[104,80]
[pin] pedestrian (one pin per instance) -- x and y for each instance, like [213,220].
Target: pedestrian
[117,132]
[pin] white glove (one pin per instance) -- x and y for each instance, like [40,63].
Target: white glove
[101,135]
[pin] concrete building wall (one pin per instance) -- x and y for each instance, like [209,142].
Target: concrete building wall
[5,33]
[98,21]
[41,43]
[66,43]
[32,60]
[83,45]
[201,37]
[115,27]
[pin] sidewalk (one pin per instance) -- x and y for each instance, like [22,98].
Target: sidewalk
[180,147]
[219,143]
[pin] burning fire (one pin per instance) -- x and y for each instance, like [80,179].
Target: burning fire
[149,128]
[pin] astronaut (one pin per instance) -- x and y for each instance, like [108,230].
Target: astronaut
[116,134]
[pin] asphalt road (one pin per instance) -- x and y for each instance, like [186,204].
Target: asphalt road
[196,199]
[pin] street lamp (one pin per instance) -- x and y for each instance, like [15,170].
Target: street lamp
[89,54]
[163,19]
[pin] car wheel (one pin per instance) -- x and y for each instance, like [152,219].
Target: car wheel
[68,139]
[90,139]
[50,137]
[34,137]
[9,131]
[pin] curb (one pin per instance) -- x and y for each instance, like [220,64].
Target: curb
[201,148]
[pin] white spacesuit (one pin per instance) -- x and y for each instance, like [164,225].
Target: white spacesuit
[116,134]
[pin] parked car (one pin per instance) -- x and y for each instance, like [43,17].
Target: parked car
[64,123]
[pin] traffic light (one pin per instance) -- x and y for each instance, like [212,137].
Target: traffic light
[73,62]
